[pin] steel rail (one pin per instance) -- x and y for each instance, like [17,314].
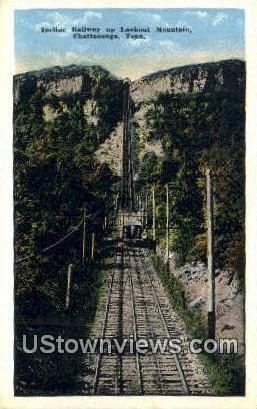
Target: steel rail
[177,363]
[107,308]
[135,330]
[150,326]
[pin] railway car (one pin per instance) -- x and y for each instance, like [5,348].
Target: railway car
[132,227]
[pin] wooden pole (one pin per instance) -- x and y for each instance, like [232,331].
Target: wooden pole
[153,225]
[67,299]
[93,246]
[122,227]
[210,257]
[84,237]
[142,212]
[146,215]
[167,226]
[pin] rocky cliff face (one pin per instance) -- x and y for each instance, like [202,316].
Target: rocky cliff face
[61,86]
[207,77]
[203,78]
[55,81]
[85,83]
[229,297]
[195,79]
[56,91]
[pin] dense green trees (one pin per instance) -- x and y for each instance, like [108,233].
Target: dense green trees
[55,171]
[199,130]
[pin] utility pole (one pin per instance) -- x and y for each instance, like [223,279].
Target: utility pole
[153,201]
[167,226]
[67,299]
[84,237]
[210,257]
[93,246]
[142,211]
[146,215]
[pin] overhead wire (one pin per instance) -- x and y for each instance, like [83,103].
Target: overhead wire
[51,246]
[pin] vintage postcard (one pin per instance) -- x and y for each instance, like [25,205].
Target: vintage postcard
[129,138]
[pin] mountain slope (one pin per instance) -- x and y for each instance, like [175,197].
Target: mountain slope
[196,114]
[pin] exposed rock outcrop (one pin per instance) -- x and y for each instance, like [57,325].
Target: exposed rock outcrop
[85,81]
[61,86]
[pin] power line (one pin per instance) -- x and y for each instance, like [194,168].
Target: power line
[61,240]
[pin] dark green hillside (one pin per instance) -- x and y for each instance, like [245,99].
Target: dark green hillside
[61,116]
[199,129]
[55,170]
[184,120]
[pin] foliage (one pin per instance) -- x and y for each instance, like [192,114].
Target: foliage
[56,177]
[56,174]
[57,374]
[199,130]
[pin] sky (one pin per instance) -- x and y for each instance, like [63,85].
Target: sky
[211,35]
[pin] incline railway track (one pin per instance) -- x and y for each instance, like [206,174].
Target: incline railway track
[136,307]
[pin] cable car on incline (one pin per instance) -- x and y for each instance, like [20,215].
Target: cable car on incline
[132,226]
